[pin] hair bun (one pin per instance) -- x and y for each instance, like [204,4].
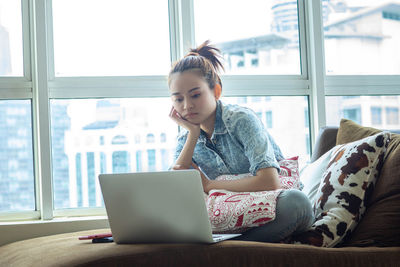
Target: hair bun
[210,52]
[193,52]
[205,60]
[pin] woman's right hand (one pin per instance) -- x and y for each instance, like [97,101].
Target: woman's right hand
[191,127]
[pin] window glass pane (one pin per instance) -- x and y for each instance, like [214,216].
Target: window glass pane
[376,115]
[362,37]
[93,136]
[17,187]
[11,55]
[285,120]
[111,38]
[372,111]
[392,115]
[256,37]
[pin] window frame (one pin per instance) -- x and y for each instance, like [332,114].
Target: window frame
[40,85]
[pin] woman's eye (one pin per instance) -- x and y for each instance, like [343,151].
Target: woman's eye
[178,100]
[196,95]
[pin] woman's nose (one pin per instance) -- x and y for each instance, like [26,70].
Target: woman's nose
[188,104]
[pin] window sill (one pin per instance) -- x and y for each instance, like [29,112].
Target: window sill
[20,230]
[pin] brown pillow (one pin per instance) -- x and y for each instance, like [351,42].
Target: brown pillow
[380,225]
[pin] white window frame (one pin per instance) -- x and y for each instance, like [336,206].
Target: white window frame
[40,84]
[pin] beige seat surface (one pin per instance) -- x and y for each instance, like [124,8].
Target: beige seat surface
[67,250]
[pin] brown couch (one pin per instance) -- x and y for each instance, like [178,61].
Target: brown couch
[374,242]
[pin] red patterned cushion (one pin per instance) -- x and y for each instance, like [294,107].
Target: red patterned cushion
[289,174]
[235,212]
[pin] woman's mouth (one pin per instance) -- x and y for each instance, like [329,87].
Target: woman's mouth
[190,115]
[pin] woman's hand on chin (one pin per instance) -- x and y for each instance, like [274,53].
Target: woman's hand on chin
[191,127]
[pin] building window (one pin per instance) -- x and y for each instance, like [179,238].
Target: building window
[119,140]
[17,186]
[115,26]
[78,166]
[268,116]
[163,138]
[11,49]
[151,159]
[392,116]
[242,100]
[390,15]
[139,163]
[137,139]
[91,179]
[351,33]
[376,115]
[150,138]
[164,159]
[353,114]
[120,162]
[264,44]
[103,163]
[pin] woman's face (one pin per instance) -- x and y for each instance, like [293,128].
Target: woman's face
[191,97]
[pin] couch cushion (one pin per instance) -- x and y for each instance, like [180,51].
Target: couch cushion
[236,212]
[381,221]
[67,250]
[352,170]
[311,175]
[325,141]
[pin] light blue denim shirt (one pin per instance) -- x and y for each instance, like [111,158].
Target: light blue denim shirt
[239,144]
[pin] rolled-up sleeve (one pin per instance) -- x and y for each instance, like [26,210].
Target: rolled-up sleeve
[256,143]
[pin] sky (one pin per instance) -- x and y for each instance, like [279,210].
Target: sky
[102,37]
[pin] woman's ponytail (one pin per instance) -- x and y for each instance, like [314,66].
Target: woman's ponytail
[206,59]
[210,52]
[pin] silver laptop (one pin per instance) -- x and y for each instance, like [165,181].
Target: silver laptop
[157,207]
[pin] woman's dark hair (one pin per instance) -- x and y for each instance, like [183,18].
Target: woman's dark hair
[204,59]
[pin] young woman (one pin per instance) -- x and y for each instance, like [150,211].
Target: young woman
[228,139]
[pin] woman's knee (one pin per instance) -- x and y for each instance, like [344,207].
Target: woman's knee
[295,201]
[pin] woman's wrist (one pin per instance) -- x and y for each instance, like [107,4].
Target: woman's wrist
[207,186]
[206,182]
[194,134]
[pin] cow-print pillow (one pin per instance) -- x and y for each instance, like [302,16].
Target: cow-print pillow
[349,178]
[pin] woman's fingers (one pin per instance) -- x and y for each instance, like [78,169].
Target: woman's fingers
[175,116]
[178,167]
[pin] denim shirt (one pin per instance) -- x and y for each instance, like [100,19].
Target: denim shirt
[239,144]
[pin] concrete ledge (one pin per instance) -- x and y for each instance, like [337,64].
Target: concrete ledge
[15,231]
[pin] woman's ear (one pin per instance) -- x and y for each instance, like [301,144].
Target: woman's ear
[217,91]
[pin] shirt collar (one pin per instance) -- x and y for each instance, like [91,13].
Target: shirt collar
[219,125]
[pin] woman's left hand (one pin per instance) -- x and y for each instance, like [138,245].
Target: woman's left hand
[204,180]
